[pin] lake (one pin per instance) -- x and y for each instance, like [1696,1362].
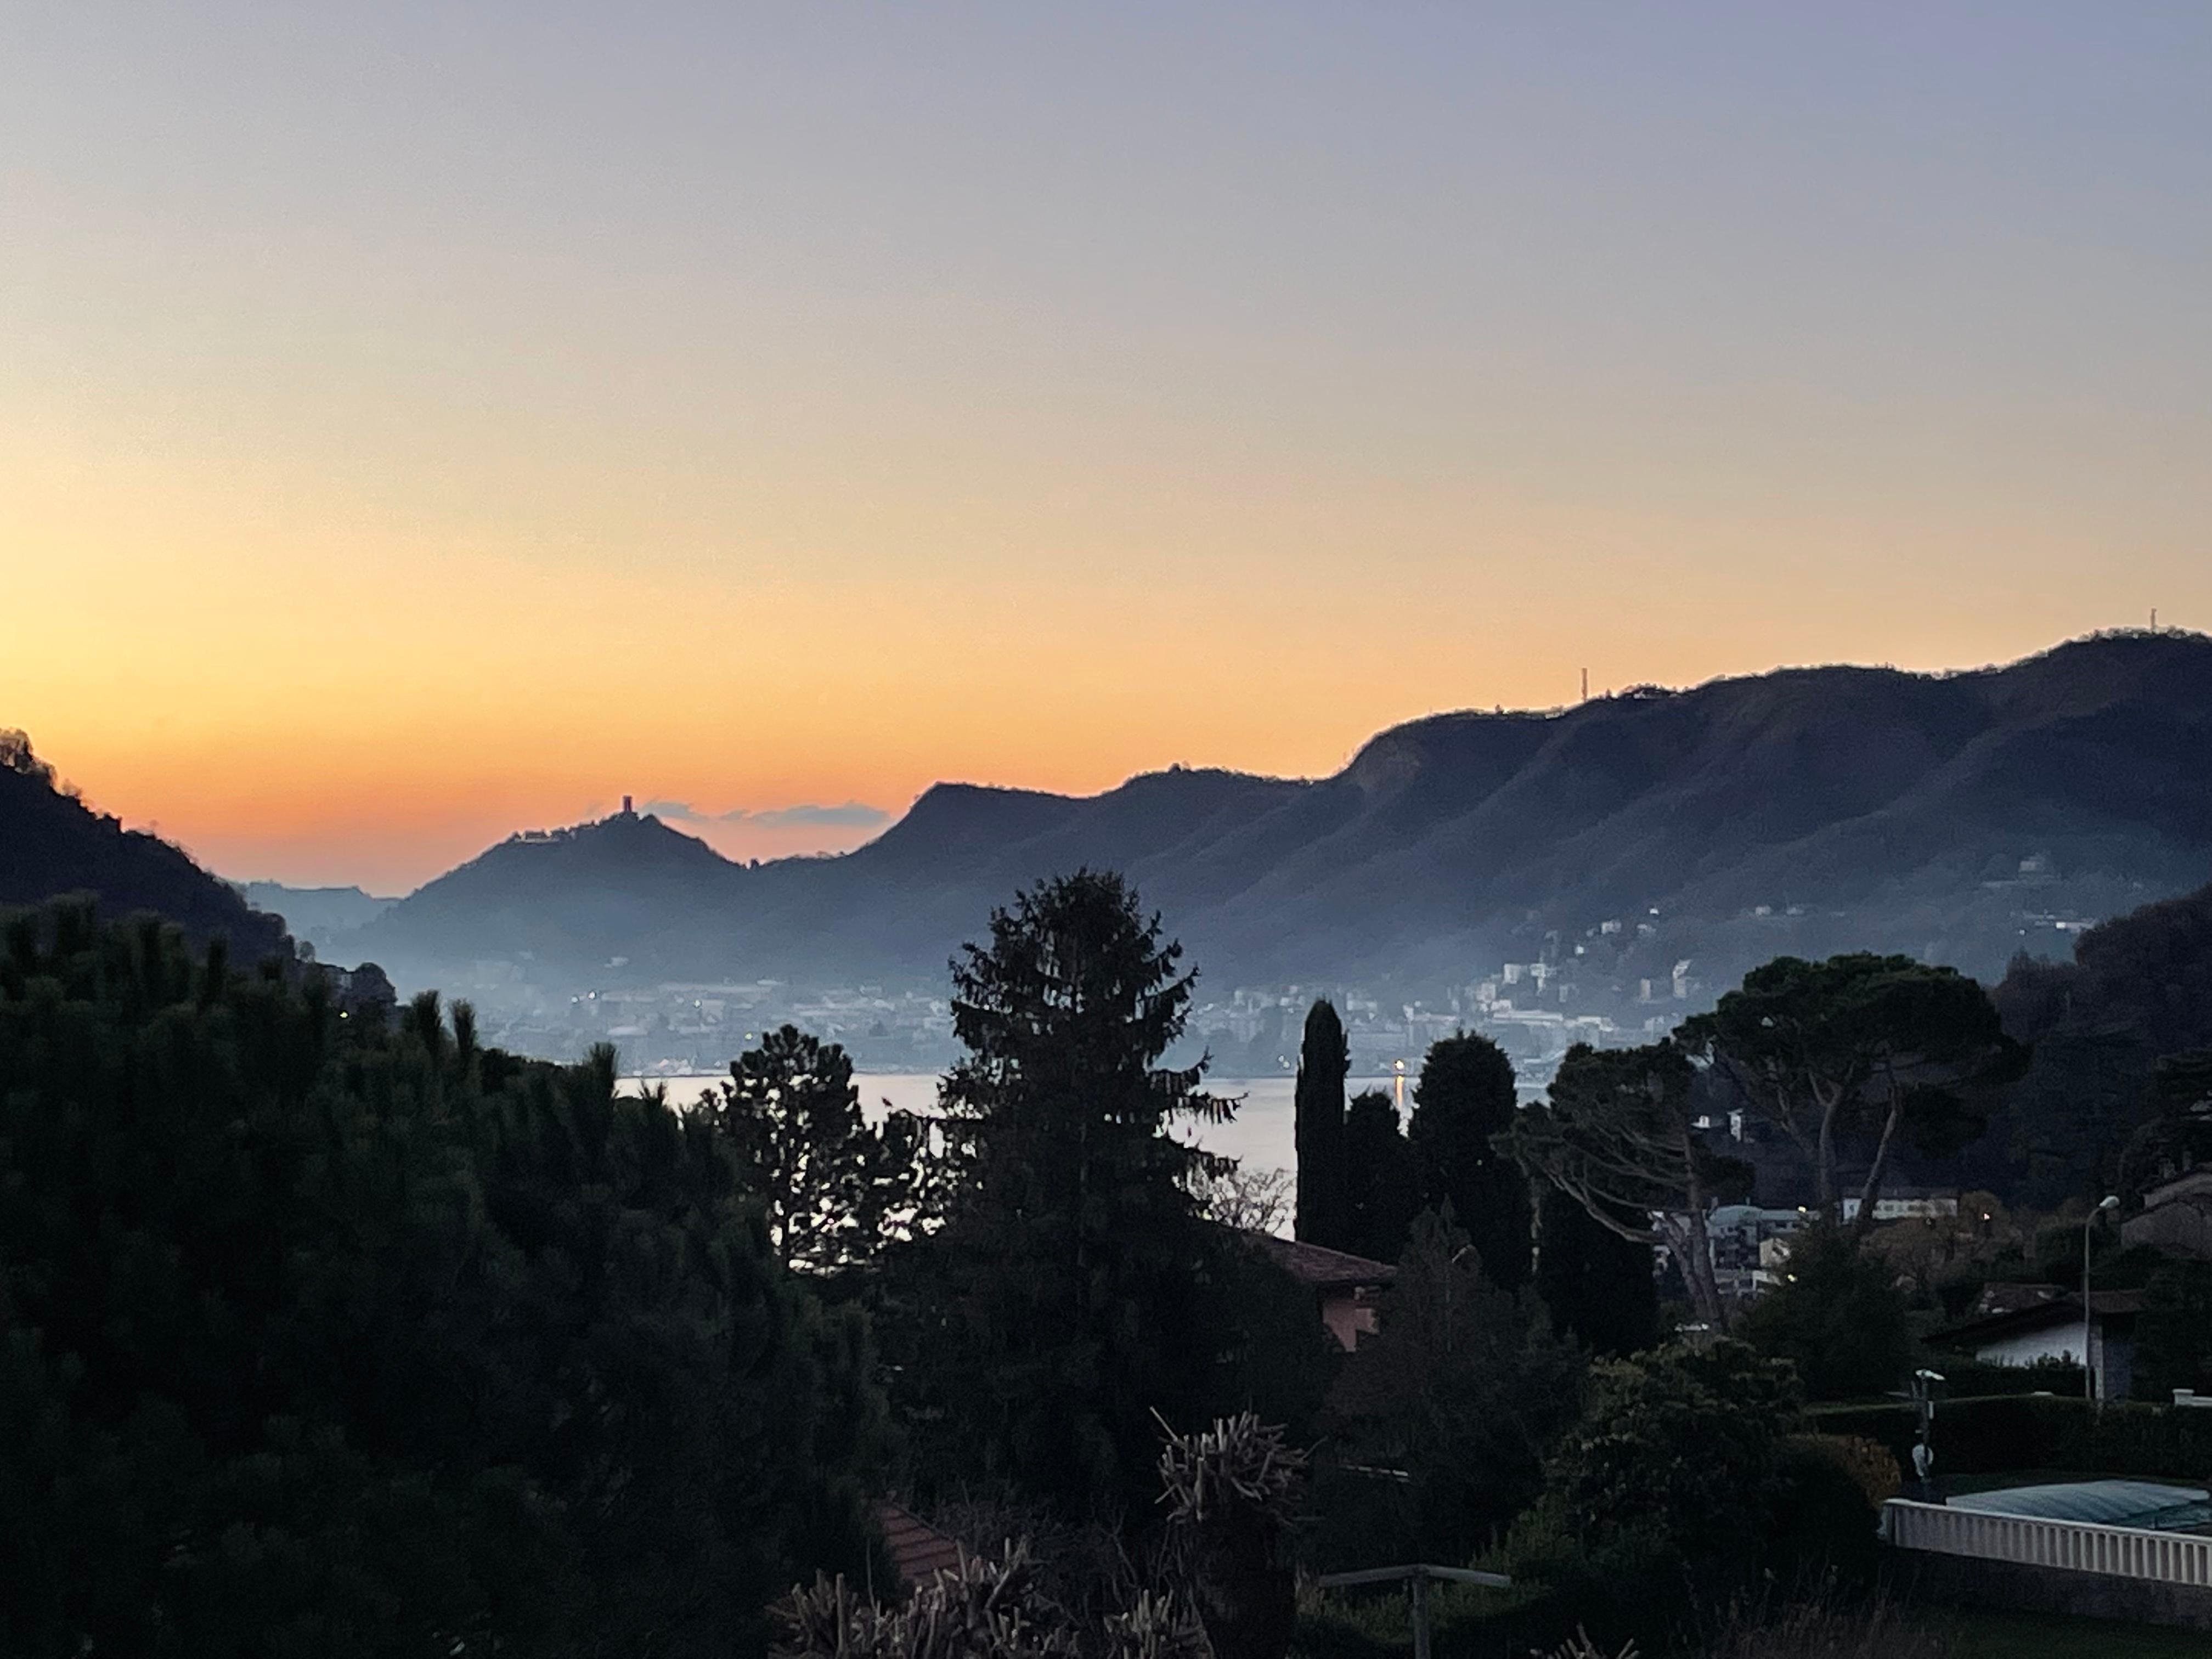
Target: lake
[1261,1136]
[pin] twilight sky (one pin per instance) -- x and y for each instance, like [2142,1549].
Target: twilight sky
[422,421]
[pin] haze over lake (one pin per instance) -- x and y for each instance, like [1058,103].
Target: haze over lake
[1261,1135]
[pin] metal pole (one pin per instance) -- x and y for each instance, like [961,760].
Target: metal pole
[2088,1377]
[1420,1585]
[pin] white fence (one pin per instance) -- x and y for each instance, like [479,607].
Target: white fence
[2166,1558]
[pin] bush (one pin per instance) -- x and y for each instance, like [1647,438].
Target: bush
[1665,1494]
[1967,1378]
[1465,1388]
[1838,1318]
[1869,1463]
[1824,1529]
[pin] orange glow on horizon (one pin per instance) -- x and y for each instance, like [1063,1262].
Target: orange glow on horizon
[390,705]
[412,432]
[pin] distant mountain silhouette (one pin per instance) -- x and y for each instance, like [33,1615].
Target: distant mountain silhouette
[1805,809]
[573,899]
[52,843]
[315,913]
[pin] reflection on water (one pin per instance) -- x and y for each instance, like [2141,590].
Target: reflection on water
[1259,1136]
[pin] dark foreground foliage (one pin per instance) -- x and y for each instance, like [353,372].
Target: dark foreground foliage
[327,1339]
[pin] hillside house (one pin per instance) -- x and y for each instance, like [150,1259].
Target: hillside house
[2175,1219]
[2048,1325]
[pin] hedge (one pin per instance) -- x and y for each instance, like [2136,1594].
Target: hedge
[1967,1378]
[1994,1436]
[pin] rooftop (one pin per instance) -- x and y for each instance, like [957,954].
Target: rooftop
[1321,1268]
[917,1549]
[2055,1310]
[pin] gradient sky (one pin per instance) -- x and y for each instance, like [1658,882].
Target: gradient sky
[418,421]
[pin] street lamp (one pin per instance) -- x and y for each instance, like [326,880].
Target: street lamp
[1924,1384]
[2088,1377]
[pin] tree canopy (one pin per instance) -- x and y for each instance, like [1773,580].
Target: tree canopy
[1463,1100]
[830,1184]
[1464,1388]
[1668,1490]
[1595,1283]
[1324,1059]
[1618,1134]
[1858,1046]
[1073,1264]
[1382,1180]
[1837,1316]
[326,1337]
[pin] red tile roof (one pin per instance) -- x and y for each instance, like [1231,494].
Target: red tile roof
[1323,1269]
[917,1550]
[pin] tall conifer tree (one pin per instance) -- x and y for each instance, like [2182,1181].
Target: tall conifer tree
[1324,1059]
[1077,1261]
[1383,1190]
[1466,1096]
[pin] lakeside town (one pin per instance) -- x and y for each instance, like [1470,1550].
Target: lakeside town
[1535,1010]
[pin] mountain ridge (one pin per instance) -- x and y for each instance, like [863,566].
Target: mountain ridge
[52,844]
[1901,800]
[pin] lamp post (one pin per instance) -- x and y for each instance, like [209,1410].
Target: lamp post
[1924,1384]
[2088,1376]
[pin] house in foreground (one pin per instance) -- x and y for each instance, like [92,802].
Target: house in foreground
[1347,1288]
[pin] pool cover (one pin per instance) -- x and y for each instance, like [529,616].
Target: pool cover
[2107,1503]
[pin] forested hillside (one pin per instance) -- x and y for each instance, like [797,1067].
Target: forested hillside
[2138,991]
[52,843]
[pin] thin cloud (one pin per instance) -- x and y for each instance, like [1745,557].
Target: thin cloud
[853,815]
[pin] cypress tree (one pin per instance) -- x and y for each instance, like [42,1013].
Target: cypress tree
[1324,1059]
[1465,1096]
[1383,1193]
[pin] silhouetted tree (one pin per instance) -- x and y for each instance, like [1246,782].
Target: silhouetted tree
[1464,1098]
[1074,1261]
[1324,1059]
[327,1337]
[793,1116]
[1617,1133]
[1463,1389]
[1596,1285]
[2139,988]
[1837,1316]
[1381,1180]
[1858,1045]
